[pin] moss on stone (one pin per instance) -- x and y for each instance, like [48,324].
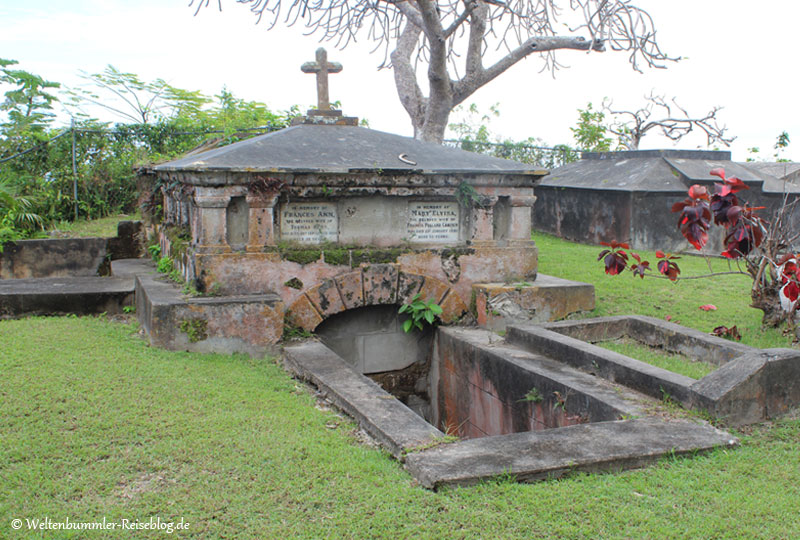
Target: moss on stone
[376,256]
[294,283]
[196,329]
[337,256]
[302,256]
[179,239]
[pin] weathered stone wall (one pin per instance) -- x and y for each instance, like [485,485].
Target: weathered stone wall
[295,273]
[76,257]
[480,392]
[588,216]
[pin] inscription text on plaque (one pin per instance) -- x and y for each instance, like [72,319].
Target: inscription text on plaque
[433,221]
[310,223]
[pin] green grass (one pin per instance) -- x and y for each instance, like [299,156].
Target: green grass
[677,363]
[681,301]
[82,228]
[97,424]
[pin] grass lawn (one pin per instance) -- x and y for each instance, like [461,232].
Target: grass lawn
[676,363]
[82,228]
[96,424]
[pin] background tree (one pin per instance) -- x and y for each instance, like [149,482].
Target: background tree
[591,132]
[453,39]
[671,119]
[473,133]
[27,110]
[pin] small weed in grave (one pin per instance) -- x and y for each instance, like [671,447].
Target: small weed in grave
[521,285]
[561,400]
[176,276]
[215,289]
[129,309]
[533,395]
[190,290]
[164,265]
[420,312]
[196,329]
[291,331]
[154,251]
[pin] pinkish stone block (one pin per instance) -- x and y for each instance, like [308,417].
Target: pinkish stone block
[380,284]
[303,314]
[326,298]
[453,307]
[433,289]
[351,288]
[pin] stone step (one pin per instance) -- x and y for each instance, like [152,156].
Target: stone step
[603,363]
[547,298]
[72,295]
[385,418]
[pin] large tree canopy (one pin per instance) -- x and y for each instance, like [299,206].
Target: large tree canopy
[455,38]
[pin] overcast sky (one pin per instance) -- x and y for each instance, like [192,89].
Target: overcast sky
[739,54]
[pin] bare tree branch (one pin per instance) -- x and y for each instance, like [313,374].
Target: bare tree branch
[517,27]
[631,126]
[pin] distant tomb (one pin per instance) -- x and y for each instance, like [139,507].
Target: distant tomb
[628,196]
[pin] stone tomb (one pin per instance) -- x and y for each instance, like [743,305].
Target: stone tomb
[627,196]
[325,216]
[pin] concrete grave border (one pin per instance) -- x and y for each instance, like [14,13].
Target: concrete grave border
[750,385]
[528,456]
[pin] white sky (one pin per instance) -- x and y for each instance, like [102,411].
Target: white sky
[738,55]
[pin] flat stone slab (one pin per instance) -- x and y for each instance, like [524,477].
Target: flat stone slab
[540,455]
[79,295]
[547,298]
[396,426]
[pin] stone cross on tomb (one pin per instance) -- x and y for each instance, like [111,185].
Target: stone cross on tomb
[321,68]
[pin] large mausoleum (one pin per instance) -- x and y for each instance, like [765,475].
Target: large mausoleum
[628,196]
[326,216]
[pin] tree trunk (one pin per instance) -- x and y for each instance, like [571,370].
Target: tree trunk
[435,123]
[767,300]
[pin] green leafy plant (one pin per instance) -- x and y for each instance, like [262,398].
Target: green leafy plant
[533,395]
[154,251]
[420,312]
[467,197]
[164,265]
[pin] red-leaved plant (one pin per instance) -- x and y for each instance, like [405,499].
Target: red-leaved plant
[756,245]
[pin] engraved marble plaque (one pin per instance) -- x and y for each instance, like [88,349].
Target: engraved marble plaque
[309,223]
[432,222]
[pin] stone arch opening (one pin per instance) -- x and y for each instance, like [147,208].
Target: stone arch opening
[356,315]
[371,285]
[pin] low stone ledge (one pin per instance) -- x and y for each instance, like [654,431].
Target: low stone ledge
[59,296]
[70,257]
[541,455]
[393,424]
[546,298]
[750,385]
[648,379]
[688,341]
[250,324]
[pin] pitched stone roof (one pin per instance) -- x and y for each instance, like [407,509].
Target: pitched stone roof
[654,170]
[342,149]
